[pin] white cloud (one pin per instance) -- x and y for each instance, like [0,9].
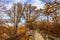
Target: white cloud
[22,1]
[8,6]
[37,3]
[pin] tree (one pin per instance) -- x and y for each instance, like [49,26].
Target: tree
[28,12]
[51,10]
[31,15]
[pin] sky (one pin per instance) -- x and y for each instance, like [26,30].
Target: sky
[9,3]
[37,3]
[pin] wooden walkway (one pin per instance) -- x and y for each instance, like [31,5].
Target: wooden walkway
[38,36]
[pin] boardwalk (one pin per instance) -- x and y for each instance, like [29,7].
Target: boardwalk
[38,36]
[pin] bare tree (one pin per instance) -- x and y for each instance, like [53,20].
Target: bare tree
[51,10]
[28,12]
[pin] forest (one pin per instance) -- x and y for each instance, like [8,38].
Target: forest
[23,20]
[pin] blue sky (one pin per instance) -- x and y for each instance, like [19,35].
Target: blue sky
[37,3]
[9,3]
